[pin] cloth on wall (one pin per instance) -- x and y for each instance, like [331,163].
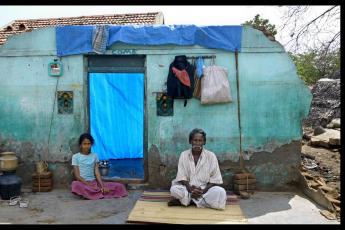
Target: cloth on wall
[176,88]
[100,37]
[72,40]
[117,114]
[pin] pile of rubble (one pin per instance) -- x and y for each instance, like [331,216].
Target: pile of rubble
[320,168]
[324,137]
[325,105]
[316,188]
[317,180]
[322,126]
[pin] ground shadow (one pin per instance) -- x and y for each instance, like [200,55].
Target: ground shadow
[261,203]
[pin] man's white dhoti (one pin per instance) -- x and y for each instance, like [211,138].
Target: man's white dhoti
[215,197]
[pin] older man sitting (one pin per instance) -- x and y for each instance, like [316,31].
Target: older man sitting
[198,178]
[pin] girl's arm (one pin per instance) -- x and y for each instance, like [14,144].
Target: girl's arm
[98,176]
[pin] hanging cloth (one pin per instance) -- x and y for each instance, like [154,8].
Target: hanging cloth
[197,80]
[180,88]
[199,66]
[100,35]
[182,75]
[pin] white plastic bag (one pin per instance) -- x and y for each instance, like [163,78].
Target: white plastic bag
[215,87]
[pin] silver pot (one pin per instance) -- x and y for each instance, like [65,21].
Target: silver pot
[104,171]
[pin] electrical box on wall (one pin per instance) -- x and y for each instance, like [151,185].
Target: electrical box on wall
[55,68]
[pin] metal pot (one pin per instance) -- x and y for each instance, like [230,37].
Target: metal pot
[10,185]
[8,161]
[104,170]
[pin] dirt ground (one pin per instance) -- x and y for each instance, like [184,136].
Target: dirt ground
[327,161]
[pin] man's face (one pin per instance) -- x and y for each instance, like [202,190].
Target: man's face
[197,142]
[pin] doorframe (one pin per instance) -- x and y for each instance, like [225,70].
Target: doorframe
[88,115]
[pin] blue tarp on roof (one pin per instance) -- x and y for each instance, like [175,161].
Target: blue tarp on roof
[78,39]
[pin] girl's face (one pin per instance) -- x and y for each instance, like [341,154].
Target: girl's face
[85,146]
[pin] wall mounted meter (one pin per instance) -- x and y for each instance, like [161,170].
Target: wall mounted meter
[55,68]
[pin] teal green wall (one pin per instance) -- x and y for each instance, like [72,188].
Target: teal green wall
[273,99]
[170,134]
[27,97]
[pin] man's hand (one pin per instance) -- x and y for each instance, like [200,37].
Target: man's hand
[196,192]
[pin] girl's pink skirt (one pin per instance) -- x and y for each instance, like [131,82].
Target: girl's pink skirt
[94,192]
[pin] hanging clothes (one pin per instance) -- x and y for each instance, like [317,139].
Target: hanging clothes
[215,86]
[100,35]
[182,76]
[178,86]
[199,65]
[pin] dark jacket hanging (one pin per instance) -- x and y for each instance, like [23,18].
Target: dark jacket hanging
[176,89]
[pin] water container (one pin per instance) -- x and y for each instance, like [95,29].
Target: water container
[8,161]
[10,185]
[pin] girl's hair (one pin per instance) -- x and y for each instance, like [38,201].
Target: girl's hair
[86,136]
[195,131]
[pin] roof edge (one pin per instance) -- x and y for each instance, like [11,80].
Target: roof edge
[86,16]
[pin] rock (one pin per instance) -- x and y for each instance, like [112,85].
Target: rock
[319,130]
[306,137]
[307,155]
[307,133]
[334,141]
[335,123]
[323,139]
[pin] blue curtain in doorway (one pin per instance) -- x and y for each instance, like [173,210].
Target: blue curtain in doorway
[117,114]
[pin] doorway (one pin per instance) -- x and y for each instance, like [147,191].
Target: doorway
[116,112]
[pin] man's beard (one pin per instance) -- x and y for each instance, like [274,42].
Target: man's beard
[197,147]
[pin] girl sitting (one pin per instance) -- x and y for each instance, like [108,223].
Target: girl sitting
[88,183]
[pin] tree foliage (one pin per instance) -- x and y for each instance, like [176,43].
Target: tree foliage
[314,64]
[262,24]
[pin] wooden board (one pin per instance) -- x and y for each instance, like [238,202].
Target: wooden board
[240,187]
[42,180]
[244,176]
[160,212]
[43,175]
[245,181]
[42,184]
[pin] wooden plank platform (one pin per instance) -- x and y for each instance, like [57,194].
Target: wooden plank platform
[159,212]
